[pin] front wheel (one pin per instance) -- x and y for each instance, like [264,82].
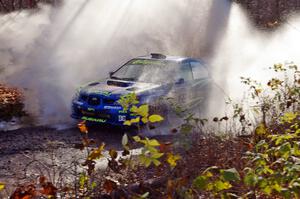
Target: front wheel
[170,119]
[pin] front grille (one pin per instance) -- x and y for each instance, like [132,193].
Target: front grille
[108,101]
[103,115]
[83,97]
[93,101]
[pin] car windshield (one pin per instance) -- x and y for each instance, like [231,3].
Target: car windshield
[145,70]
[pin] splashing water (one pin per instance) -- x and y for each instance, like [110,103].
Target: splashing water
[51,51]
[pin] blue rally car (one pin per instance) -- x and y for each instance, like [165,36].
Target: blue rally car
[186,80]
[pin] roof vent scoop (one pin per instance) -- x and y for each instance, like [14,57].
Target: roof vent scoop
[158,56]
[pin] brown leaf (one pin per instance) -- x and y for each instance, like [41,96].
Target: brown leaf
[113,153]
[96,153]
[125,152]
[49,189]
[224,118]
[42,179]
[174,130]
[165,147]
[82,127]
[109,186]
[216,119]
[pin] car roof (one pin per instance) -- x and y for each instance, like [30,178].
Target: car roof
[168,58]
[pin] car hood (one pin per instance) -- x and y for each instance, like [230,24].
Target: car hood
[111,87]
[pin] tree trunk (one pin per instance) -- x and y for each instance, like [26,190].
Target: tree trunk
[20,4]
[12,5]
[3,6]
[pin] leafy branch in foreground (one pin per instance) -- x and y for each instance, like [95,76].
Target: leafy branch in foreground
[272,169]
[150,153]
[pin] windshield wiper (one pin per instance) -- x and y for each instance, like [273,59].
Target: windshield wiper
[123,78]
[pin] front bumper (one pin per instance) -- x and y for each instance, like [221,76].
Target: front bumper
[105,114]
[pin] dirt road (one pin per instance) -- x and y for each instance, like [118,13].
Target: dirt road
[26,153]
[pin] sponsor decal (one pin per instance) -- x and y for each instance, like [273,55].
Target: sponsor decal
[122,111]
[122,118]
[112,107]
[97,91]
[93,119]
[91,109]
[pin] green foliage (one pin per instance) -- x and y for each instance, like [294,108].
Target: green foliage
[142,115]
[288,117]
[275,162]
[279,95]
[273,166]
[217,181]
[172,159]
[272,162]
[127,100]
[150,152]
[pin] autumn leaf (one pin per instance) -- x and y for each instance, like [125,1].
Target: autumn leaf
[127,123]
[144,120]
[274,83]
[155,118]
[134,109]
[288,117]
[96,153]
[2,186]
[172,159]
[49,189]
[82,127]
[250,146]
[261,130]
[163,147]
[27,197]
[136,138]
[135,120]
[143,110]
[42,179]
[258,91]
[109,186]
[113,153]
[152,142]
[132,121]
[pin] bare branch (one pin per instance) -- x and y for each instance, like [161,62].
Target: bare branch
[3,6]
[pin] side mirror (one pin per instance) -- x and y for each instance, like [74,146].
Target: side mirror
[111,73]
[180,81]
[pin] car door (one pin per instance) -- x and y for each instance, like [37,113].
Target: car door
[200,86]
[183,83]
